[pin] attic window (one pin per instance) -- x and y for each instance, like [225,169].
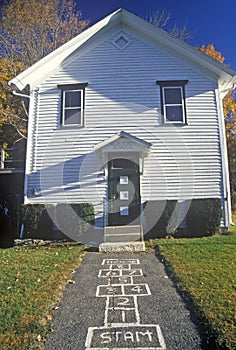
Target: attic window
[121,42]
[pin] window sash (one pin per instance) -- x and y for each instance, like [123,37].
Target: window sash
[166,105]
[67,109]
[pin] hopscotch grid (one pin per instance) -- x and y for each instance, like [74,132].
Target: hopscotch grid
[121,308]
[136,309]
[120,266]
[106,310]
[123,289]
[120,261]
[125,325]
[120,273]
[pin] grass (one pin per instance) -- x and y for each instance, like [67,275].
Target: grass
[32,280]
[204,270]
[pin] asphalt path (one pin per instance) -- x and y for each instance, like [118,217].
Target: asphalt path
[123,301]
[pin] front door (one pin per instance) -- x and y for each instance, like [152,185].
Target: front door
[124,191]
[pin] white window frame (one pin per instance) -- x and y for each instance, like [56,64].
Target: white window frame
[64,108]
[166,121]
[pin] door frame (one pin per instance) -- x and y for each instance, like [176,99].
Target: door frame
[132,156]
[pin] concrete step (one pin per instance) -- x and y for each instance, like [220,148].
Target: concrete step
[122,237]
[122,229]
[128,233]
[122,247]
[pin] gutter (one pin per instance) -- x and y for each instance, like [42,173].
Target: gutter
[20,95]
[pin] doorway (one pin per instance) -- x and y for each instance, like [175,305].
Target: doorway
[124,190]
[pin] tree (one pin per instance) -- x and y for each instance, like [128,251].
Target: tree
[162,18]
[229,106]
[29,30]
[211,51]
[13,114]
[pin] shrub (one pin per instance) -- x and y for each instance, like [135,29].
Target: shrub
[204,217]
[6,236]
[74,219]
[36,220]
[161,217]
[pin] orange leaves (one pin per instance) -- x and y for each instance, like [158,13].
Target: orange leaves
[211,51]
[11,111]
[229,106]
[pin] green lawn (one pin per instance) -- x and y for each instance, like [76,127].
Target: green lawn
[32,280]
[204,269]
[31,283]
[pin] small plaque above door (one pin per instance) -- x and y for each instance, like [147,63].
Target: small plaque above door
[124,180]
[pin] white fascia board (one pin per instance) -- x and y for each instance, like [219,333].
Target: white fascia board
[41,69]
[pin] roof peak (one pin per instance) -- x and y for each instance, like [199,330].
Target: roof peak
[44,67]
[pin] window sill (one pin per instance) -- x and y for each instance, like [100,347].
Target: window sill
[175,124]
[74,126]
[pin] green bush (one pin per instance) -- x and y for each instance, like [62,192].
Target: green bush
[36,220]
[162,218]
[204,217]
[74,219]
[71,219]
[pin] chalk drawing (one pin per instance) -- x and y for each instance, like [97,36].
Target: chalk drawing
[122,328]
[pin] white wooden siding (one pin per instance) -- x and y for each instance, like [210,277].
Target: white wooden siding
[122,94]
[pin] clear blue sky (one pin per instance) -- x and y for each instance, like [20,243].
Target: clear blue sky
[209,21]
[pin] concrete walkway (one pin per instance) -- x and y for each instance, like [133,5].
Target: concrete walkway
[122,301]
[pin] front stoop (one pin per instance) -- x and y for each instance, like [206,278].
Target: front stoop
[121,247]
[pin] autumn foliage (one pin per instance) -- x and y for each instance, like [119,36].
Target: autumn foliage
[29,30]
[229,106]
[12,110]
[32,29]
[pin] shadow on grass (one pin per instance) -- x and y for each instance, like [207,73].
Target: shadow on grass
[208,335]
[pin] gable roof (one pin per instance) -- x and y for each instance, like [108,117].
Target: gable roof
[43,68]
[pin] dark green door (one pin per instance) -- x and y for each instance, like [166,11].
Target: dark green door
[123,192]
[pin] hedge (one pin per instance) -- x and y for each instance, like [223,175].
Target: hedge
[74,219]
[71,219]
[204,217]
[36,220]
[161,217]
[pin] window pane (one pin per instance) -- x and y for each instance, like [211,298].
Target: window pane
[124,180]
[174,113]
[124,211]
[173,96]
[124,195]
[72,116]
[73,99]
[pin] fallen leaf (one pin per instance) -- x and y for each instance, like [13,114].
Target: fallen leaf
[71,282]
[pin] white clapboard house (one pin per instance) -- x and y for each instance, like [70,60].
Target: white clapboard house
[124,115]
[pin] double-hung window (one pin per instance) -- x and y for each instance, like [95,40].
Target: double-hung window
[173,101]
[72,104]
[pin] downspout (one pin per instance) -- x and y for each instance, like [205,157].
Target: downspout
[224,161]
[30,161]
